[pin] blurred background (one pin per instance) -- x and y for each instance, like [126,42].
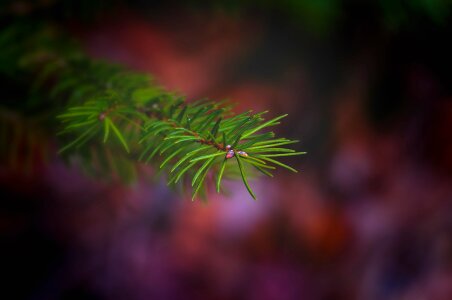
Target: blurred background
[367,85]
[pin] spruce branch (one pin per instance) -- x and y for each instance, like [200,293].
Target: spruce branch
[112,118]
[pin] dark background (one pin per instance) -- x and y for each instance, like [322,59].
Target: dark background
[367,86]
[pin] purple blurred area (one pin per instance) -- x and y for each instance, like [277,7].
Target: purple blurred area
[368,217]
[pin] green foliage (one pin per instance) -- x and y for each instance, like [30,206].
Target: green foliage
[111,118]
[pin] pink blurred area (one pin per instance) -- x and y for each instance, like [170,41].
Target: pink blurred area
[368,217]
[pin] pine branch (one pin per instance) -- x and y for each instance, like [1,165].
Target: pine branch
[109,114]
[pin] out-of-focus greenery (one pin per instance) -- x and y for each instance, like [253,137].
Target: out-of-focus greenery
[321,16]
[313,15]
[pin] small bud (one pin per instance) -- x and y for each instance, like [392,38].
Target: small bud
[102,116]
[242,153]
[230,154]
[228,147]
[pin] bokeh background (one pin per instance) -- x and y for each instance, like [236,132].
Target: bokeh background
[367,85]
